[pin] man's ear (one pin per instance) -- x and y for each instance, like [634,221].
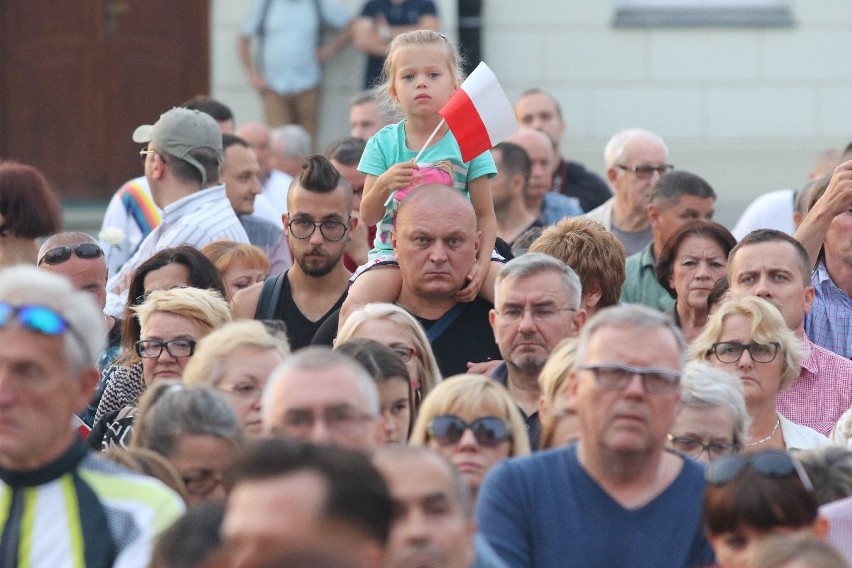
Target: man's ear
[285,219]
[353,222]
[476,243]
[87,380]
[653,213]
[579,321]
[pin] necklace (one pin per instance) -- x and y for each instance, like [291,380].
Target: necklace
[769,437]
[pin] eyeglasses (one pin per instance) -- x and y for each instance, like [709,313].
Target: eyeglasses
[645,172]
[202,483]
[40,319]
[151,348]
[59,255]
[769,463]
[731,351]
[245,391]
[339,419]
[693,447]
[617,376]
[489,431]
[538,313]
[330,230]
[404,351]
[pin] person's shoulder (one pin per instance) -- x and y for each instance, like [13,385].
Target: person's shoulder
[245,301]
[829,362]
[602,212]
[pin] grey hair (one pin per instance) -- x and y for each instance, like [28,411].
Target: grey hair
[706,386]
[394,453]
[28,285]
[830,470]
[631,316]
[170,409]
[616,148]
[320,358]
[534,263]
[290,140]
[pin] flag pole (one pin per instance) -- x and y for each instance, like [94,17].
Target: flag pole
[428,140]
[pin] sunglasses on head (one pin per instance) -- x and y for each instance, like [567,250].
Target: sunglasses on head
[489,431]
[769,463]
[59,255]
[40,319]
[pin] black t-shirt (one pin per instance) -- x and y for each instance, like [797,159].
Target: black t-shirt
[574,180]
[468,338]
[300,330]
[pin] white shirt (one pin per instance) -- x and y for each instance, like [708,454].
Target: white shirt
[197,219]
[272,203]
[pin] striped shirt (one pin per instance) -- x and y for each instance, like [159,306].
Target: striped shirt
[829,323]
[197,219]
[822,392]
[82,511]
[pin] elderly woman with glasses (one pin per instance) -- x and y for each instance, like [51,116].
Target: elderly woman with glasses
[752,497]
[748,337]
[473,422]
[712,420]
[236,360]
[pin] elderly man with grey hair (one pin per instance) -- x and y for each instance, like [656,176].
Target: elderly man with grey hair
[61,507]
[536,305]
[617,497]
[288,146]
[634,160]
[321,396]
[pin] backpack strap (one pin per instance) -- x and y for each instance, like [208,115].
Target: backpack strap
[269,297]
[444,322]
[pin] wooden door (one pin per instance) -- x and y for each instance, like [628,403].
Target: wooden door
[77,76]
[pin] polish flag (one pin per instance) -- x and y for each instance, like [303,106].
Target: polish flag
[479,114]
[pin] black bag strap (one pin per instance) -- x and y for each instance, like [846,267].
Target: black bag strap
[269,296]
[444,322]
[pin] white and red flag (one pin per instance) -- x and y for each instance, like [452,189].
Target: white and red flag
[479,114]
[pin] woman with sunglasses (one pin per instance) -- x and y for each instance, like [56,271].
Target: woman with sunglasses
[712,420]
[396,328]
[748,337]
[28,210]
[752,497]
[473,422]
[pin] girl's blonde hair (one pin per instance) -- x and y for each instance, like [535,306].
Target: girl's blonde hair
[427,366]
[207,364]
[555,371]
[418,37]
[470,393]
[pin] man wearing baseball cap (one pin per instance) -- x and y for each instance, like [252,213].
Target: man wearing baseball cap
[182,159]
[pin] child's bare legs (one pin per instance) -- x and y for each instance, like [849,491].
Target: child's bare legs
[379,284]
[486,292]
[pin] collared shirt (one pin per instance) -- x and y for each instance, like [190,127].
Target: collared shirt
[829,323]
[197,219]
[532,422]
[823,391]
[641,285]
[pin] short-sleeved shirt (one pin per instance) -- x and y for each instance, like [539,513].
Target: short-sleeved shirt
[405,13]
[291,33]
[387,147]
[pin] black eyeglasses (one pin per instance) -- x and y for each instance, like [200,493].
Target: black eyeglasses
[693,447]
[769,463]
[40,319]
[151,348]
[731,351]
[489,431]
[617,376]
[644,171]
[59,255]
[304,228]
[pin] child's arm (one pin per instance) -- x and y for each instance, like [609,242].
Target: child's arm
[486,222]
[378,189]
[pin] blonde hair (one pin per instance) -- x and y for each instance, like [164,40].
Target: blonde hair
[471,392]
[207,364]
[555,371]
[765,325]
[427,366]
[223,254]
[417,37]
[205,307]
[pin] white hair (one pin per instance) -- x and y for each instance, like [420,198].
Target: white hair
[616,148]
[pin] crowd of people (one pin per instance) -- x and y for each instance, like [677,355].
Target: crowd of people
[277,358]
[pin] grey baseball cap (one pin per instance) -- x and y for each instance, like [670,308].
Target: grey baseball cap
[181,130]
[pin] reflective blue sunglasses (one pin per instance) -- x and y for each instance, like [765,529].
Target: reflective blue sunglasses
[34,318]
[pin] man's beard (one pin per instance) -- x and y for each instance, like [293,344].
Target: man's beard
[318,270]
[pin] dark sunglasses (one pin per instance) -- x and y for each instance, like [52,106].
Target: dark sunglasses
[59,255]
[489,431]
[769,463]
